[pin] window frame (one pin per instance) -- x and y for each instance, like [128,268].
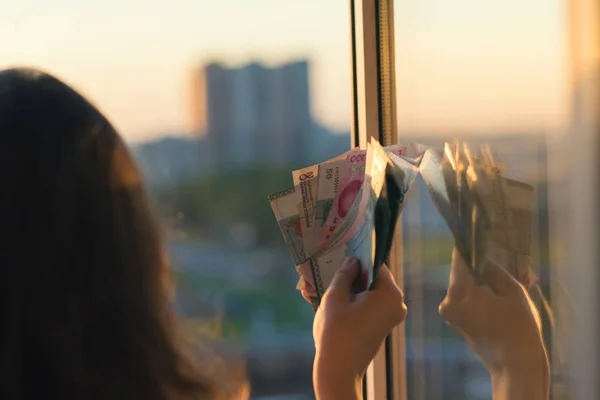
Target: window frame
[582,225]
[374,115]
[373,97]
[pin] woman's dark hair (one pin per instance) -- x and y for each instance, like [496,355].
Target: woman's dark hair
[84,308]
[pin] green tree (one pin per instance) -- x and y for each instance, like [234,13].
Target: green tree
[225,199]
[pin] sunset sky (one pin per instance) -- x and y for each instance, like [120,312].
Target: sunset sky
[470,66]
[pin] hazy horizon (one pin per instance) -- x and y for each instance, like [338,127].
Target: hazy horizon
[477,66]
[447,136]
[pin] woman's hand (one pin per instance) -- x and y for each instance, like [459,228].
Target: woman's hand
[502,325]
[349,330]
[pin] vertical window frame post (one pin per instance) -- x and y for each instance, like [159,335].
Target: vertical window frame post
[375,115]
[582,232]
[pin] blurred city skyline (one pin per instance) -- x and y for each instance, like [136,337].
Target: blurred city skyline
[474,67]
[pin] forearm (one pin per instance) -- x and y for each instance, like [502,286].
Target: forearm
[526,384]
[340,390]
[332,383]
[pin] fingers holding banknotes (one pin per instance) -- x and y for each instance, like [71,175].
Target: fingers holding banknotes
[349,328]
[497,318]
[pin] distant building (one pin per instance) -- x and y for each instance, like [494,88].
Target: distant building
[253,114]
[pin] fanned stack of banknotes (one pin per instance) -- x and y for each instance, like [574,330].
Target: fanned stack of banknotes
[349,206]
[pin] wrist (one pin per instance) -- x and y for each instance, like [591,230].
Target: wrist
[527,381]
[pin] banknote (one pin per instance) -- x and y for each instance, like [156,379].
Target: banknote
[369,221]
[418,149]
[510,242]
[349,205]
[351,181]
[297,228]
[285,207]
[390,204]
[327,189]
[367,231]
[312,171]
[489,215]
[507,209]
[362,236]
[357,229]
[434,173]
[306,282]
[307,180]
[317,195]
[306,210]
[404,170]
[363,242]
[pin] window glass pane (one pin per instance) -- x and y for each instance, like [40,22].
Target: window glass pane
[219,101]
[493,72]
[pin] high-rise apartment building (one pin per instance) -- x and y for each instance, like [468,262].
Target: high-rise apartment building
[253,114]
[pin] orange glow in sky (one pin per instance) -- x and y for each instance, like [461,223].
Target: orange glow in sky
[469,66]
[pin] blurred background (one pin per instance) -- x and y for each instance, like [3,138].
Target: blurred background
[220,100]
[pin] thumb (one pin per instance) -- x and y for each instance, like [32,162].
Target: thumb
[461,277]
[341,285]
[498,279]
